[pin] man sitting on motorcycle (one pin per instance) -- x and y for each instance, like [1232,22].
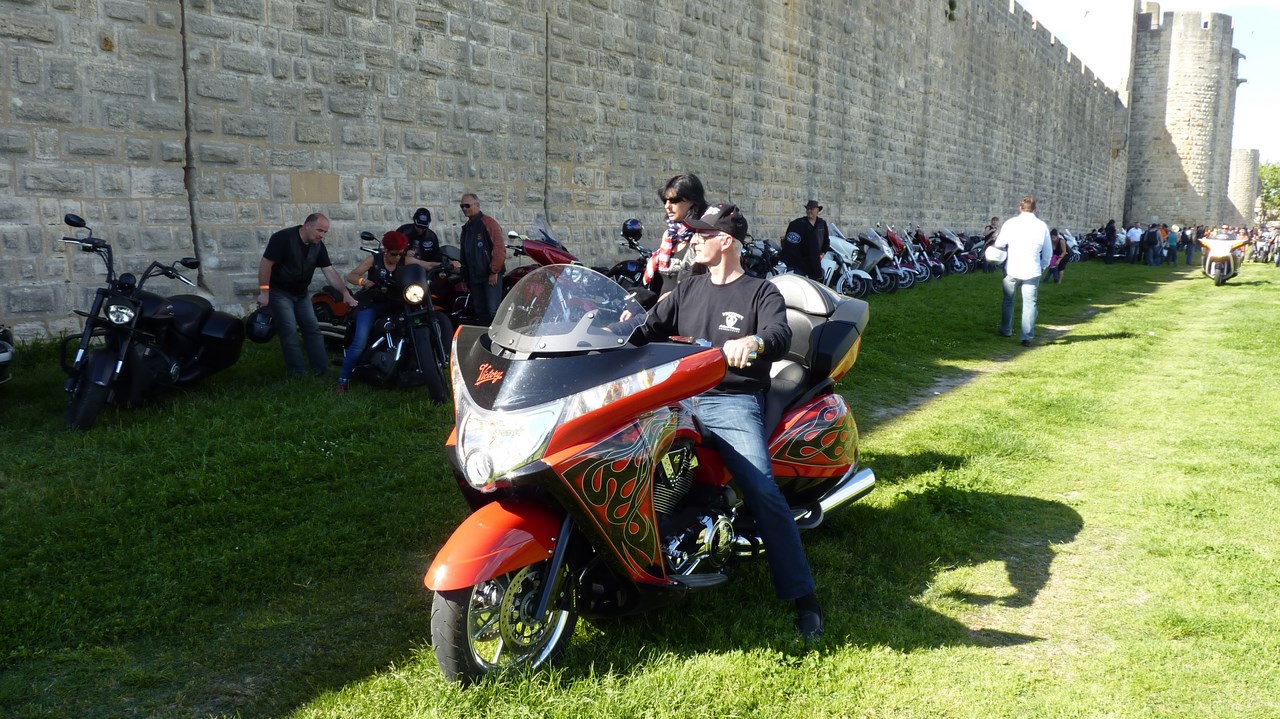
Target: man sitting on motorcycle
[373,275]
[746,317]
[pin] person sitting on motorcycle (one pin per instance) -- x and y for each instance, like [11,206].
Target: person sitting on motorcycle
[423,242]
[373,275]
[747,318]
[682,197]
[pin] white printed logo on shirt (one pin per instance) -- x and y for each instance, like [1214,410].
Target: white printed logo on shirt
[731,320]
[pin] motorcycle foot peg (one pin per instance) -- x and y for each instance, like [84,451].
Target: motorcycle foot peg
[700,581]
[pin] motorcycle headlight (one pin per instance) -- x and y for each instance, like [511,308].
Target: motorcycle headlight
[414,293]
[120,314]
[491,444]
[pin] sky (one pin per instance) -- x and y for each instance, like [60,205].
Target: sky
[1099,33]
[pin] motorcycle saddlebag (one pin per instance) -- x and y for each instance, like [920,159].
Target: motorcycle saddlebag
[222,337]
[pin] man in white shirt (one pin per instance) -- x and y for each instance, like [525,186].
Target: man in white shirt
[1026,239]
[1134,237]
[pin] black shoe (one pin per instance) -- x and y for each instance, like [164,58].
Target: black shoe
[1026,343]
[809,624]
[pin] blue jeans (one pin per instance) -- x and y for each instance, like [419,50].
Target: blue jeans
[364,327]
[485,298]
[1029,288]
[291,313]
[734,426]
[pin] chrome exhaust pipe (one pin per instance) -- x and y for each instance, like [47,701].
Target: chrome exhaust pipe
[853,487]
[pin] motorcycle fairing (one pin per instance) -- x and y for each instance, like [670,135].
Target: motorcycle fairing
[504,383]
[548,252]
[609,486]
[499,537]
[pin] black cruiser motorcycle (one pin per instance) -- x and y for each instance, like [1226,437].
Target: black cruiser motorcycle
[137,344]
[409,345]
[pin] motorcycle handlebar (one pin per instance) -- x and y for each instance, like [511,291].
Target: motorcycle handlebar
[88,245]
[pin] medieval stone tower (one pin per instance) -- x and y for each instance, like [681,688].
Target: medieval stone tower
[1243,188]
[1182,108]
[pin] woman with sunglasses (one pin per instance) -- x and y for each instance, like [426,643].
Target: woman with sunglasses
[373,276]
[673,263]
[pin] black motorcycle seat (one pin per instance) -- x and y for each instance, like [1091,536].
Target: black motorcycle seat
[790,382]
[190,313]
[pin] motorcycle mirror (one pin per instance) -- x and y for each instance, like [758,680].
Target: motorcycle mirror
[368,236]
[190,263]
[73,220]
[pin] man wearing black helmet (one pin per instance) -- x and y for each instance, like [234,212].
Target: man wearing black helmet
[747,318]
[423,242]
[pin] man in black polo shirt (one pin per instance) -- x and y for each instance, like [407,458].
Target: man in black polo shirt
[284,276]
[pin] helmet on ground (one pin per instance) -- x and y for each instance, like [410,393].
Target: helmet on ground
[632,229]
[260,326]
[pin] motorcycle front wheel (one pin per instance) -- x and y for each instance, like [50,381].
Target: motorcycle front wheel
[884,284]
[851,285]
[437,373]
[489,628]
[87,402]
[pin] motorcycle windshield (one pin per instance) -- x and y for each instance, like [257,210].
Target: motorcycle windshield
[561,309]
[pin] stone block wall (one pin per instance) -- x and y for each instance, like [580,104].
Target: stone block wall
[180,127]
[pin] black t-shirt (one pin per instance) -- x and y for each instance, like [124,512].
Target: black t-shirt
[295,261]
[423,242]
[744,307]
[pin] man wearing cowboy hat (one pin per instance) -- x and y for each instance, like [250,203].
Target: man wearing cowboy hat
[805,241]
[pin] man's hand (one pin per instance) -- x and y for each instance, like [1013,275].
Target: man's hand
[263,297]
[738,352]
[493,279]
[351,300]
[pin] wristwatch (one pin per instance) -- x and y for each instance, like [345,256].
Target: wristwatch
[759,343]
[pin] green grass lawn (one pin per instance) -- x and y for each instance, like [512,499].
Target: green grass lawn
[1085,528]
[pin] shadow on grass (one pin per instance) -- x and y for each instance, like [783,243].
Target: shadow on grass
[873,567]
[1070,339]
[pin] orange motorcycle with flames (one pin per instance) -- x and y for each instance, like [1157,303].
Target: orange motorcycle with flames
[592,492]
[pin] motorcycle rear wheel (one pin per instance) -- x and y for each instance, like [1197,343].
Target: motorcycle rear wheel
[488,628]
[87,402]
